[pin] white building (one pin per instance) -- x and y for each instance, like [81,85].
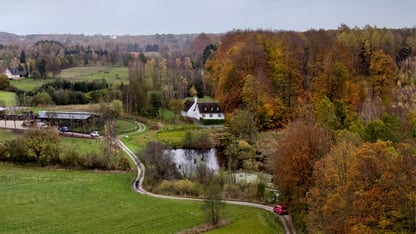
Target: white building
[202,110]
[12,73]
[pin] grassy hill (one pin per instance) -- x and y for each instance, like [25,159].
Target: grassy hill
[36,200]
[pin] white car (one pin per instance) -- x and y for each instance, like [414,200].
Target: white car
[94,134]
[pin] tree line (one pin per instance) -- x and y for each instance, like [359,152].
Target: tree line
[42,147]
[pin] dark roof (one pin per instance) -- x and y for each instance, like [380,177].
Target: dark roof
[209,107]
[188,104]
[14,71]
[204,107]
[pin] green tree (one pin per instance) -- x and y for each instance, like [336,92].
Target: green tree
[243,125]
[332,81]
[41,67]
[213,202]
[176,106]
[155,102]
[4,82]
[38,141]
[159,164]
[389,128]
[42,98]
[23,57]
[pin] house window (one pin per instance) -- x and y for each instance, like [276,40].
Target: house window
[205,109]
[218,109]
[210,115]
[212,109]
[219,115]
[203,115]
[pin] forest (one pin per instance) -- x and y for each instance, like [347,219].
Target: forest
[344,103]
[339,105]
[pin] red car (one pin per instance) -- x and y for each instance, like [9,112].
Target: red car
[281,210]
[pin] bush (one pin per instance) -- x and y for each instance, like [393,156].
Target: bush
[202,141]
[158,162]
[179,187]
[212,121]
[70,158]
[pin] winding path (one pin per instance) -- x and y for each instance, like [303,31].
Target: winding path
[138,187]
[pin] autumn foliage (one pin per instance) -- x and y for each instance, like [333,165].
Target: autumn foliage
[364,189]
[344,101]
[279,72]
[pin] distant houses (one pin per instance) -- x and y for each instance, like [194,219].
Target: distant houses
[12,73]
[206,112]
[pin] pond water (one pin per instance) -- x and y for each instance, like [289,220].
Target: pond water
[187,160]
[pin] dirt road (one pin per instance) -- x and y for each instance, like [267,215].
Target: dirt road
[11,124]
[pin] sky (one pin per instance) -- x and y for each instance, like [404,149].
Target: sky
[138,17]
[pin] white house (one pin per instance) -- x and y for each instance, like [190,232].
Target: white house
[12,73]
[202,110]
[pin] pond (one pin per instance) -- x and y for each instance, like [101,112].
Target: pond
[187,160]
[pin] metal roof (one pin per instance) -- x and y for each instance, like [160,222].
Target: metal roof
[64,115]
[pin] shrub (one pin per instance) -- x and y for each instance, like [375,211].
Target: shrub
[212,121]
[179,187]
[70,158]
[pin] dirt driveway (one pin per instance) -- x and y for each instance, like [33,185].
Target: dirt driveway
[11,124]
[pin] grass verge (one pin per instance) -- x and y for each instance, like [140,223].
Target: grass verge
[7,98]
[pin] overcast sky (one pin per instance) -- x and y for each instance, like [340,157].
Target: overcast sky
[141,17]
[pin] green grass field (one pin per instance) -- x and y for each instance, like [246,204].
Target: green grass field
[82,145]
[36,200]
[6,134]
[113,75]
[28,84]
[7,98]
[170,135]
[124,126]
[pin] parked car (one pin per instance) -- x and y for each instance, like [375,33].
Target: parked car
[94,134]
[42,125]
[64,129]
[281,209]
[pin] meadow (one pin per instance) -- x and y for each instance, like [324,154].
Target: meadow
[113,75]
[6,134]
[37,200]
[28,84]
[169,134]
[82,145]
[7,98]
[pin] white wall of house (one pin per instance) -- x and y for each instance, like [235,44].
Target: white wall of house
[10,75]
[212,115]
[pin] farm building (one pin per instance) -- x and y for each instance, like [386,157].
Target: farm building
[70,119]
[16,113]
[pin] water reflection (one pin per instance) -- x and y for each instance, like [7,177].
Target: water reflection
[187,160]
